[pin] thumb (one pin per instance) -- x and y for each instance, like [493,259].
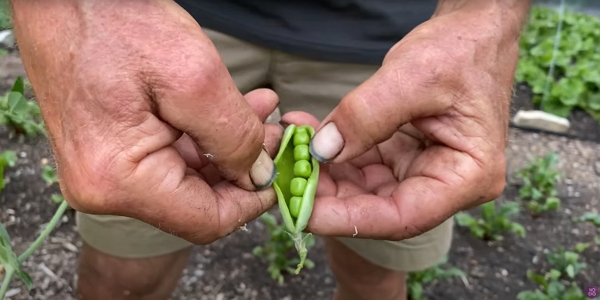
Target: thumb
[371,114]
[217,117]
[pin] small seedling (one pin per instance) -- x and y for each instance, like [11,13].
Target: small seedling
[539,184]
[556,284]
[567,262]
[591,217]
[417,280]
[494,222]
[277,249]
[551,288]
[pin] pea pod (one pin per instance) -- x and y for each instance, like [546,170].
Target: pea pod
[296,184]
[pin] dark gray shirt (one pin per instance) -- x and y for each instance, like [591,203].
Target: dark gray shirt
[359,31]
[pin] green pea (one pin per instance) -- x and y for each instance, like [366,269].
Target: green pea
[295,204]
[302,169]
[297,186]
[300,130]
[301,152]
[301,138]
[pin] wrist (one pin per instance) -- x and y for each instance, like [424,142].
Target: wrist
[504,18]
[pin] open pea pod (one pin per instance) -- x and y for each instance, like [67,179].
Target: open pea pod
[296,184]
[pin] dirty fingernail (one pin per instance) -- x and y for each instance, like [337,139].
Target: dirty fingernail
[263,171]
[327,143]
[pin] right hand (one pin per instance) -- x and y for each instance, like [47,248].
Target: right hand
[144,119]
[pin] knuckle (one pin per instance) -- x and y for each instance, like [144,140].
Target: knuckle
[89,183]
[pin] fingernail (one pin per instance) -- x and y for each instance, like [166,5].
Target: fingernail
[327,143]
[263,171]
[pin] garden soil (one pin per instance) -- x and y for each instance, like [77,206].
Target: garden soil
[227,269]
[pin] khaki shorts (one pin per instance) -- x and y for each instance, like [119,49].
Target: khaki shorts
[302,84]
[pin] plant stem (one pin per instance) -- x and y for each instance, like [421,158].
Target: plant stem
[40,239]
[6,282]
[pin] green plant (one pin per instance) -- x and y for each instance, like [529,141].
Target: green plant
[567,262]
[49,175]
[416,280]
[20,114]
[12,263]
[551,288]
[555,284]
[5,15]
[8,158]
[494,221]
[539,184]
[8,259]
[296,184]
[591,217]
[575,80]
[276,249]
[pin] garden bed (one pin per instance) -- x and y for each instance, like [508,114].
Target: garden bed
[227,269]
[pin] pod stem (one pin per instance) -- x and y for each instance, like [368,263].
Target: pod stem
[300,243]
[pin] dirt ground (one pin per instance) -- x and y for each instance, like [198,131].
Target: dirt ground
[227,269]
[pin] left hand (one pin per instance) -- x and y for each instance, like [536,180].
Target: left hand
[425,136]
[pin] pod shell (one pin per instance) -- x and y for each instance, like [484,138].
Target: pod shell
[284,162]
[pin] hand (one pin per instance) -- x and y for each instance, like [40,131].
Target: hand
[425,136]
[144,118]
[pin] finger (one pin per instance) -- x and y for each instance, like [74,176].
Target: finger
[273,135]
[188,206]
[206,104]
[300,118]
[262,101]
[372,112]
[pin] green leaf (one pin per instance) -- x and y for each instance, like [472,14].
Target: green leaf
[570,271]
[537,278]
[464,219]
[415,291]
[556,107]
[552,203]
[5,239]
[571,257]
[488,210]
[477,231]
[597,240]
[518,229]
[8,158]
[17,104]
[580,247]
[574,293]
[2,177]
[18,86]
[555,289]
[554,274]
[24,276]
